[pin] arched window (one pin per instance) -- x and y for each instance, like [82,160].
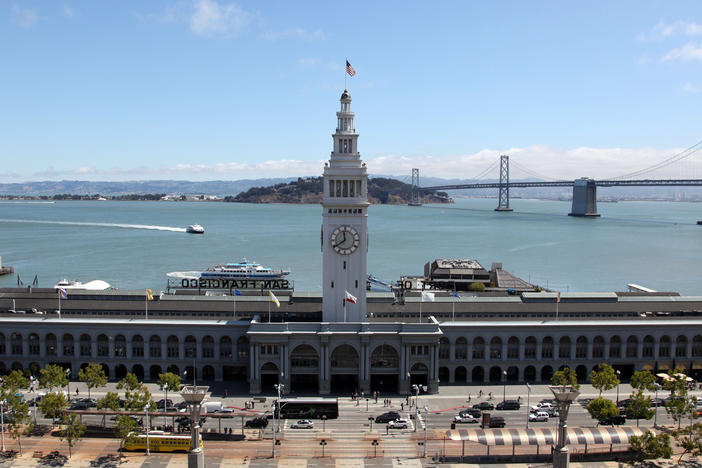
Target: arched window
[103,345]
[461,348]
[304,356]
[598,346]
[137,346]
[208,347]
[225,347]
[155,346]
[242,347]
[172,347]
[513,348]
[496,348]
[697,346]
[16,343]
[632,345]
[384,356]
[68,348]
[120,346]
[649,346]
[564,347]
[547,348]
[581,347]
[86,345]
[615,347]
[530,346]
[190,347]
[664,346]
[479,348]
[51,345]
[681,346]
[34,346]
[344,356]
[444,348]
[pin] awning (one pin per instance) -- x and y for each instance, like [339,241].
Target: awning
[647,367]
[547,436]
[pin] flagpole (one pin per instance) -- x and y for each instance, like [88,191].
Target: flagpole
[344,301]
[59,311]
[558,299]
[345,77]
[421,299]
[269,310]
[146,305]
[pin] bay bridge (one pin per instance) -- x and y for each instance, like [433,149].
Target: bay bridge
[584,189]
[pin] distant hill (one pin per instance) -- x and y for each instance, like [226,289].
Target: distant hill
[310,190]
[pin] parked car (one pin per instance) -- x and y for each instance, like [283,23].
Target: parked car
[302,424]
[509,405]
[497,421]
[160,404]
[468,418]
[79,405]
[398,424]
[387,417]
[542,406]
[484,406]
[539,416]
[615,421]
[257,423]
[91,402]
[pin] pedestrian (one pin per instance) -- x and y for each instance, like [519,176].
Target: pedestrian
[490,396]
[469,398]
[480,393]
[402,406]
[226,393]
[77,391]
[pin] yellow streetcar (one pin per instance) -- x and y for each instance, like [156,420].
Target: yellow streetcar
[159,441]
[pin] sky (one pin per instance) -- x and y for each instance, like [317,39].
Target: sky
[221,90]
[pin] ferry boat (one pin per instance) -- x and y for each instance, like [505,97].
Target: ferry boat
[195,229]
[95,285]
[243,270]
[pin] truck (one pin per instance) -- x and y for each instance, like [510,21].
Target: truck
[212,407]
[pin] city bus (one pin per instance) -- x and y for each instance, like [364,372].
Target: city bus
[307,408]
[159,442]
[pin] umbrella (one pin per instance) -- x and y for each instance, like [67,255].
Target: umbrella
[664,376]
[683,376]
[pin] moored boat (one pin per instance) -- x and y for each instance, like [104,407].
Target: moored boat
[243,270]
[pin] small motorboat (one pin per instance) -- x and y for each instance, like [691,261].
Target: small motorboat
[195,229]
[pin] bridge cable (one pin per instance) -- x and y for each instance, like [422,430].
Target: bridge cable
[666,162]
[533,173]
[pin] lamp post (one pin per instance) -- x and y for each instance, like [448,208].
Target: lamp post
[416,409]
[193,396]
[426,423]
[68,385]
[148,428]
[618,382]
[504,385]
[33,387]
[528,406]
[655,414]
[564,395]
[165,403]
[276,409]
[2,422]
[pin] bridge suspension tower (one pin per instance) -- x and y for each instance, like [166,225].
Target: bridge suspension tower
[414,193]
[503,198]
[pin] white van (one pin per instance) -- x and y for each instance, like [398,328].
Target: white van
[212,407]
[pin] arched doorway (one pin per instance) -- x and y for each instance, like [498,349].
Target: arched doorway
[419,374]
[120,371]
[512,374]
[344,369]
[138,370]
[546,373]
[461,375]
[530,374]
[269,377]
[478,374]
[444,375]
[304,369]
[208,373]
[154,372]
[581,372]
[385,362]
[495,374]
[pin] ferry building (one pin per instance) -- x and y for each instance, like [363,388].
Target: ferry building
[347,339]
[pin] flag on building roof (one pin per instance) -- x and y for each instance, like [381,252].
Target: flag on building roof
[149,295]
[559,297]
[274,299]
[350,298]
[63,294]
[237,292]
[349,69]
[427,296]
[455,294]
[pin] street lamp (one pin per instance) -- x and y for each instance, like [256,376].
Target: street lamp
[193,396]
[276,409]
[618,382]
[504,385]
[68,385]
[426,423]
[2,422]
[528,407]
[564,395]
[33,387]
[657,386]
[165,403]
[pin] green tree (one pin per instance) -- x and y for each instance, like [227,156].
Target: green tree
[128,383]
[109,401]
[125,429]
[53,405]
[650,446]
[476,287]
[643,380]
[73,431]
[53,376]
[566,376]
[93,376]
[679,405]
[604,378]
[690,439]
[173,381]
[639,407]
[136,395]
[13,382]
[18,422]
[602,408]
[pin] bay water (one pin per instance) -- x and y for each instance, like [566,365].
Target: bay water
[132,245]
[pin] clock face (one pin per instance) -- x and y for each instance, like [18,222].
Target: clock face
[345,240]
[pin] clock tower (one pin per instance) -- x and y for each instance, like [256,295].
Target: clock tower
[344,224]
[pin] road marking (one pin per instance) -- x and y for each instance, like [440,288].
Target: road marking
[350,463]
[292,463]
[407,463]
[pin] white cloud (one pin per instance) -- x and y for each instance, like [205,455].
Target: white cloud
[690,88]
[68,11]
[25,17]
[538,160]
[678,28]
[307,61]
[686,53]
[296,33]
[213,19]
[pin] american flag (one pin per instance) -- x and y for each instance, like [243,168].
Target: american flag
[349,69]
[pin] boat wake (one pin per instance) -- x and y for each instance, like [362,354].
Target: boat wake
[115,225]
